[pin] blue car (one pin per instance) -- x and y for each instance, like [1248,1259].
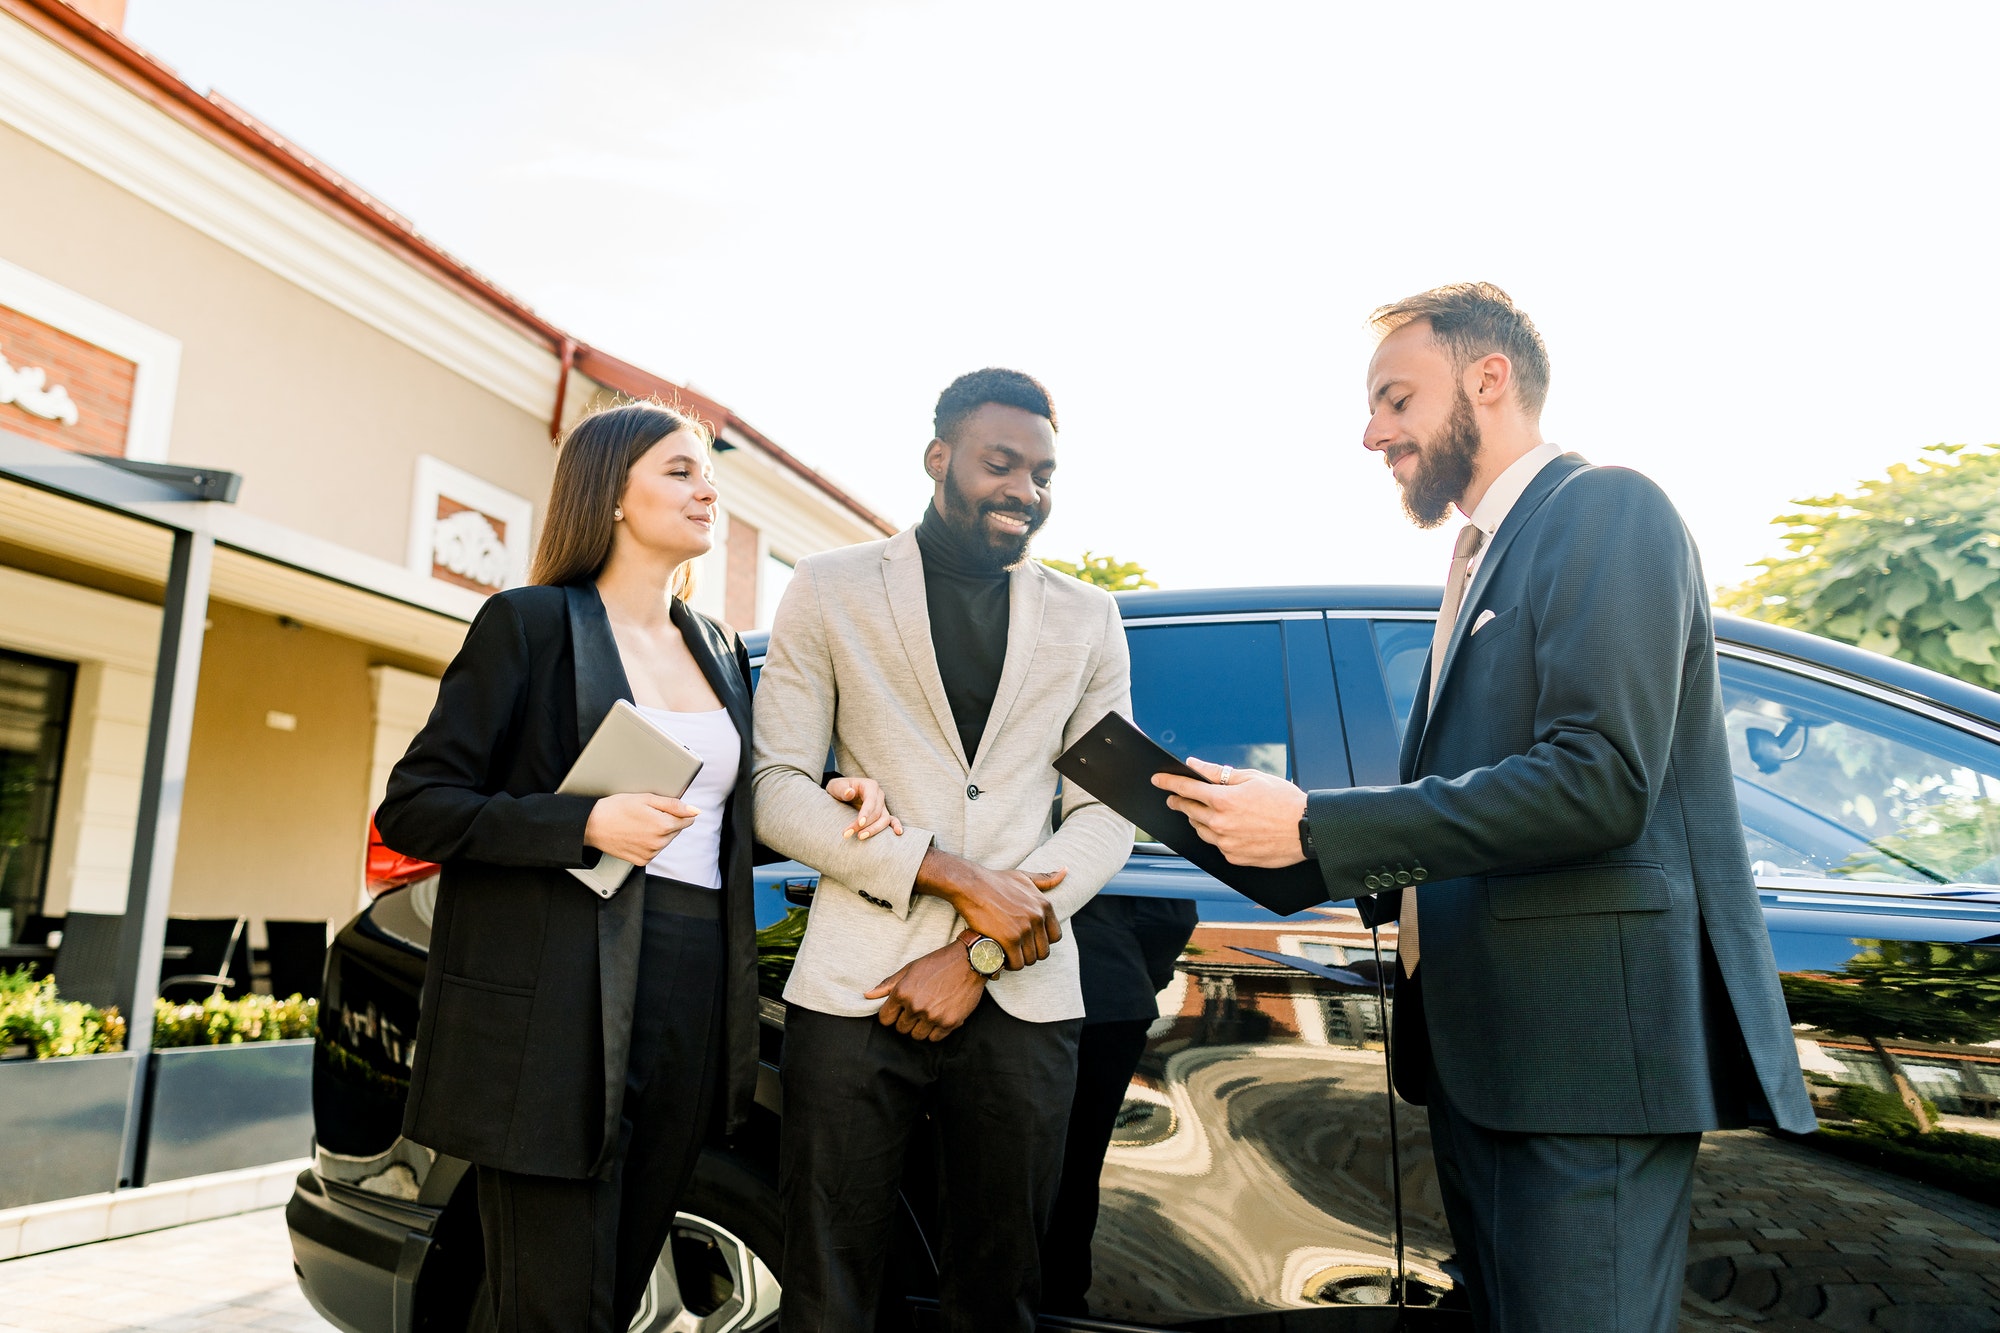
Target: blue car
[1261,1177]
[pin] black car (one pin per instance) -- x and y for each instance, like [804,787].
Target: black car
[1262,1175]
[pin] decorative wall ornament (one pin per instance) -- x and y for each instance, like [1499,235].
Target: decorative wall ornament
[468,543]
[466,531]
[28,388]
[119,375]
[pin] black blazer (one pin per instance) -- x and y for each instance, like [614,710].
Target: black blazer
[527,1001]
[1594,957]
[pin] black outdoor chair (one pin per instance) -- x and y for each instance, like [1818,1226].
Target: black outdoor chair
[217,961]
[87,958]
[296,954]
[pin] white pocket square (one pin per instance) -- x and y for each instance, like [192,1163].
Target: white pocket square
[1480,623]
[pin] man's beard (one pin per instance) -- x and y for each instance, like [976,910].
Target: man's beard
[969,520]
[1444,467]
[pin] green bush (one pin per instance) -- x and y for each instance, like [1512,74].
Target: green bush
[778,949]
[219,1021]
[1882,1109]
[1967,1164]
[32,1016]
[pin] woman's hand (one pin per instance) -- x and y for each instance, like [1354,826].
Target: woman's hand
[636,826]
[866,794]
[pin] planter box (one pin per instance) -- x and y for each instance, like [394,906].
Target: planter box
[221,1108]
[62,1123]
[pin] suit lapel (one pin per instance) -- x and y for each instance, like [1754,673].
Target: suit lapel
[1413,733]
[1539,490]
[600,672]
[600,682]
[717,663]
[903,575]
[1026,594]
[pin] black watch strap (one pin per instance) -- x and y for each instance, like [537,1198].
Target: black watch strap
[1306,839]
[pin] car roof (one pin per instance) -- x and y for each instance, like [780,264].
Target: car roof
[1777,640]
[1888,672]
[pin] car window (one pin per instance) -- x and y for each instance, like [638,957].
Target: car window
[1401,644]
[1834,784]
[1214,691]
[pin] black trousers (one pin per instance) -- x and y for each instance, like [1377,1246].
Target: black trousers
[1107,1054]
[854,1091]
[574,1256]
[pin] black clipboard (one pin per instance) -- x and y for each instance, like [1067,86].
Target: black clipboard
[1115,762]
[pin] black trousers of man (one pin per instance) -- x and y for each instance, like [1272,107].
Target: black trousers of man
[1127,948]
[854,1091]
[1107,1054]
[574,1256]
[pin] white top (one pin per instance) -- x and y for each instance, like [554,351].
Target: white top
[1502,495]
[695,854]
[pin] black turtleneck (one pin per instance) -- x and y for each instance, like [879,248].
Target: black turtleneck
[967,598]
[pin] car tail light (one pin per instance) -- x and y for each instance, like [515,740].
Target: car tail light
[390,869]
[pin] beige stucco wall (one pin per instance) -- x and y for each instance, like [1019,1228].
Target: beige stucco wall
[274,823]
[322,414]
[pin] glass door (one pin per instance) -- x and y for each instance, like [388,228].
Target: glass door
[34,722]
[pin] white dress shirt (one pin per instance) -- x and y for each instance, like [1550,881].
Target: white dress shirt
[1501,496]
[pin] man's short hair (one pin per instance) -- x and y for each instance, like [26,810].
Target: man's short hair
[1476,319]
[968,393]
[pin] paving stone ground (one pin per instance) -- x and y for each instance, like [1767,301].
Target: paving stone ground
[232,1273]
[1788,1239]
[1784,1239]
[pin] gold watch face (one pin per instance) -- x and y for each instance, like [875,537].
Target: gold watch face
[987,956]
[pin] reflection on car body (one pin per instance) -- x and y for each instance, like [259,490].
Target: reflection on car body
[1261,1165]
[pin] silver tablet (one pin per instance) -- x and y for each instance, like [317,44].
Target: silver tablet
[628,753]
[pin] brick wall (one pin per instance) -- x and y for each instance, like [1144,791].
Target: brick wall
[739,580]
[99,383]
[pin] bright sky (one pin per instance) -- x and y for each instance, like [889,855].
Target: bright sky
[1759,239]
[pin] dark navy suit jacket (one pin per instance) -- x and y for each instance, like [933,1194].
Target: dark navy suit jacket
[1594,960]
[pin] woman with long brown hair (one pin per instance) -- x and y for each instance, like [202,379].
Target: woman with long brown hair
[574,1048]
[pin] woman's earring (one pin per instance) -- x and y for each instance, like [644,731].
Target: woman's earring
[617,515]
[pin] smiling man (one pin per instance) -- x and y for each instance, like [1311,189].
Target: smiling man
[1586,982]
[951,668]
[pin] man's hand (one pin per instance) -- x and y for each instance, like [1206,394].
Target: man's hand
[1252,817]
[930,998]
[1008,906]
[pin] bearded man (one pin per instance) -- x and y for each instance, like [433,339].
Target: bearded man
[1586,982]
[952,669]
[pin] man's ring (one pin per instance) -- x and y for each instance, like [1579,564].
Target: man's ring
[1228,775]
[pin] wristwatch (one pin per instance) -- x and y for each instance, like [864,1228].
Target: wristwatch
[985,955]
[1306,839]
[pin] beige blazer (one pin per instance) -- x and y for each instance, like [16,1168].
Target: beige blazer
[851,666]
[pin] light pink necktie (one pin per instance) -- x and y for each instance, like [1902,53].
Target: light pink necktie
[1470,539]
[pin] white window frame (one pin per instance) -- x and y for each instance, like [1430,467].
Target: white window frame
[436,478]
[157,355]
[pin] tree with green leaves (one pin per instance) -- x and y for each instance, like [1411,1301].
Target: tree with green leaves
[1106,572]
[1908,565]
[1904,989]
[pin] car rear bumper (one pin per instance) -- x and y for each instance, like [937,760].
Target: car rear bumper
[357,1257]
